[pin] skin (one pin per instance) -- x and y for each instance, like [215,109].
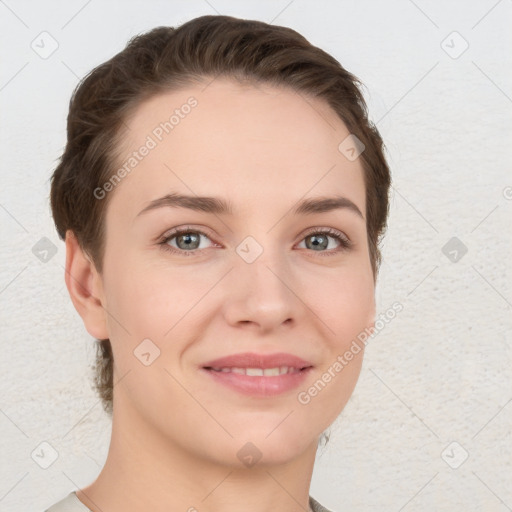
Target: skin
[175,434]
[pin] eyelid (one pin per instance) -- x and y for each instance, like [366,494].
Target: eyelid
[205,231]
[186,228]
[163,240]
[344,241]
[328,231]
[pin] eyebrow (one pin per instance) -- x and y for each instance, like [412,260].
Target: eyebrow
[220,206]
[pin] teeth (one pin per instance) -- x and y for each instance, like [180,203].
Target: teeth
[254,372]
[259,372]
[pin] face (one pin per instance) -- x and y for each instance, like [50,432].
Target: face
[260,276]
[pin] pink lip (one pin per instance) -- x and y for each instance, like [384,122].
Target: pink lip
[259,386]
[253,360]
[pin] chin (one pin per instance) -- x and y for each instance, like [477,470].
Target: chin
[282,446]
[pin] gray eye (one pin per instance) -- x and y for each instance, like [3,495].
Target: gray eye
[318,240]
[188,240]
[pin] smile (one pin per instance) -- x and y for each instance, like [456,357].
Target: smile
[258,382]
[259,372]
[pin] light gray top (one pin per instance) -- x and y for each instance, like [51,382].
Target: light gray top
[71,503]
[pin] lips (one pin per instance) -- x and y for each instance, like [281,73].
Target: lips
[258,375]
[254,360]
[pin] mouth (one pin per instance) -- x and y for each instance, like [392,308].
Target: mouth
[258,375]
[259,372]
[255,361]
[258,382]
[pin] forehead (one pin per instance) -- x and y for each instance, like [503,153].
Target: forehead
[248,142]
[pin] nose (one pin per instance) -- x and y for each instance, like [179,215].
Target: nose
[262,295]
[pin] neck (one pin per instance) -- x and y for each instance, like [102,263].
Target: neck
[145,470]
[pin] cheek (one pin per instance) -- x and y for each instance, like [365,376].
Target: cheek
[345,304]
[347,308]
[148,299]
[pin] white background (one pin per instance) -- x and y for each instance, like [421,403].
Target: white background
[439,373]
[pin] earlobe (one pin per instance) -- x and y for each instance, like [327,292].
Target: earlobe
[85,288]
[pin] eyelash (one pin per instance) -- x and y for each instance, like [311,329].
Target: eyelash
[345,243]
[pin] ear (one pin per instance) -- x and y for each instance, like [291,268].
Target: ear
[85,288]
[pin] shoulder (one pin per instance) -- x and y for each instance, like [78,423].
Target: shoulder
[69,504]
[315,506]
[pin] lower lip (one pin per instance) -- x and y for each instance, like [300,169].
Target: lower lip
[259,386]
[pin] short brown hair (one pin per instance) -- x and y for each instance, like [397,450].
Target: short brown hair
[165,59]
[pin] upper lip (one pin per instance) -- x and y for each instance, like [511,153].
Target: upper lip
[254,360]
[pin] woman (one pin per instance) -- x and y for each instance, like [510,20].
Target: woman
[222,196]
